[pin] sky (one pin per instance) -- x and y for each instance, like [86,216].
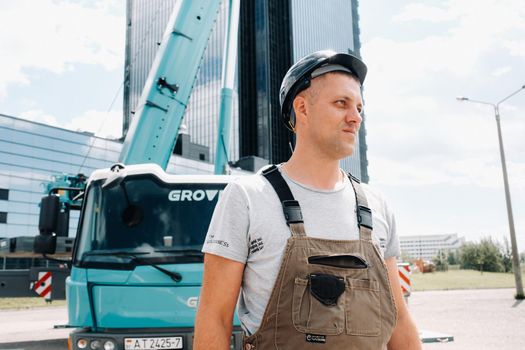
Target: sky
[435,159]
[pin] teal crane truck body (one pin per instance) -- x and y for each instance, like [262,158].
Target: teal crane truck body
[136,268]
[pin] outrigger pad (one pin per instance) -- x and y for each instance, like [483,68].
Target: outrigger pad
[326,288]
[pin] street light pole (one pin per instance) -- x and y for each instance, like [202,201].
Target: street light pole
[515,254]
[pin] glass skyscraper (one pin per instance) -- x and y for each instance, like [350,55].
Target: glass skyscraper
[331,24]
[273,34]
[146,22]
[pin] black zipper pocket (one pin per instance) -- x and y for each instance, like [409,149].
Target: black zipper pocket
[339,260]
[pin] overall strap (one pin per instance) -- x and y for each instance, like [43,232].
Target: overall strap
[291,209]
[363,212]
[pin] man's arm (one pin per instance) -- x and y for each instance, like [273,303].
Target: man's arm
[405,335]
[220,290]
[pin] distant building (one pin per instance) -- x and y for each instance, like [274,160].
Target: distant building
[427,246]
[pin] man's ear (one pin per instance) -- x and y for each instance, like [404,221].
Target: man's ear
[299,106]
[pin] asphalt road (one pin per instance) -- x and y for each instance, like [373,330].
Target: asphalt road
[24,329]
[477,319]
[54,344]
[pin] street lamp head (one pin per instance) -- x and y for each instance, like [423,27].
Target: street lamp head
[461,98]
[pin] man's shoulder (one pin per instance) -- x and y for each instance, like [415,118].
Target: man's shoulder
[249,182]
[372,191]
[375,197]
[254,185]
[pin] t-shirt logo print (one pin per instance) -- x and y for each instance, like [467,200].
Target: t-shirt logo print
[212,240]
[256,245]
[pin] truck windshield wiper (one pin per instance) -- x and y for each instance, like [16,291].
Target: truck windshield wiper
[113,252]
[192,252]
[175,276]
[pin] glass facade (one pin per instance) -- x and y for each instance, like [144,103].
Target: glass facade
[146,23]
[320,25]
[265,56]
[30,153]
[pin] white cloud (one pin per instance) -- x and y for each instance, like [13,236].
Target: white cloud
[417,133]
[516,48]
[480,172]
[55,35]
[39,116]
[498,72]
[459,47]
[103,124]
[423,12]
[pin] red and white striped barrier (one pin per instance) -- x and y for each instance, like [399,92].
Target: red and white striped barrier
[43,285]
[404,278]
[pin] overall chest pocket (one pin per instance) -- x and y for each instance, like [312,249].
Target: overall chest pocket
[363,307]
[318,304]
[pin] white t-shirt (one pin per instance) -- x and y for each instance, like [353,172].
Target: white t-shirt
[248,226]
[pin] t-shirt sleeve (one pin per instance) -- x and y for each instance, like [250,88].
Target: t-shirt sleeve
[228,231]
[392,245]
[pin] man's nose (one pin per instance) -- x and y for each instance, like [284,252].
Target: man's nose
[354,116]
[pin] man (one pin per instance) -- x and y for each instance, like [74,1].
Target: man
[312,251]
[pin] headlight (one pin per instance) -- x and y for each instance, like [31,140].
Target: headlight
[96,344]
[82,343]
[109,345]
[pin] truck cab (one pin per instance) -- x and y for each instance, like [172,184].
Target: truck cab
[137,265]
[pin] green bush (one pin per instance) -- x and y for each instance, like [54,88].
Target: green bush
[486,255]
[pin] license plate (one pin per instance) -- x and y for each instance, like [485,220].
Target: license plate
[153,343]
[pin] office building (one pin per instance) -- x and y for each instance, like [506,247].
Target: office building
[427,247]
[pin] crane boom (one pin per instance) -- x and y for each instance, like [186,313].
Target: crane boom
[153,131]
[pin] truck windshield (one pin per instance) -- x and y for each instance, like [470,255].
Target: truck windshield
[142,214]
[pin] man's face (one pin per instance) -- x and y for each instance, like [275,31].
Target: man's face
[333,105]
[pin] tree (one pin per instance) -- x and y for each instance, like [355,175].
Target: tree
[469,256]
[441,260]
[482,256]
[452,258]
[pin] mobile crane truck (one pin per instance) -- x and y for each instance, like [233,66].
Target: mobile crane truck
[136,267]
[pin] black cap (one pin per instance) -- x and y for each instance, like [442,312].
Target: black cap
[299,76]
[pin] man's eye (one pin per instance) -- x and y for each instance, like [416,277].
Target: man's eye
[340,102]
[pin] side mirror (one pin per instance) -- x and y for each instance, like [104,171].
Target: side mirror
[46,241]
[49,211]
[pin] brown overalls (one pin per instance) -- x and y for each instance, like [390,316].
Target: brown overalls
[329,294]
